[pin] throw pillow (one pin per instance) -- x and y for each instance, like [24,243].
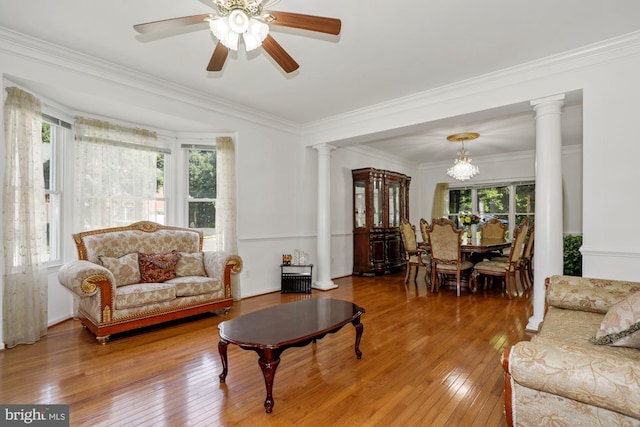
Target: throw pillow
[158,268]
[190,264]
[621,325]
[125,268]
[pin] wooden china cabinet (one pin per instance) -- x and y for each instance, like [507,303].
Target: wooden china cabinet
[380,201]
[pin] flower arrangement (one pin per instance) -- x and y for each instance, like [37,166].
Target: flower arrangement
[468,218]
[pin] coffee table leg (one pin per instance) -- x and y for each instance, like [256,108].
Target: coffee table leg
[359,329]
[269,361]
[222,349]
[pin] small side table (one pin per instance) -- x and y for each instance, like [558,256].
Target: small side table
[295,278]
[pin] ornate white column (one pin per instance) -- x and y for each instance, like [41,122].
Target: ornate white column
[324,281]
[548,222]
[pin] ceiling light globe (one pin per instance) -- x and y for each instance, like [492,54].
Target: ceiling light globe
[224,33]
[256,33]
[239,21]
[231,40]
[220,28]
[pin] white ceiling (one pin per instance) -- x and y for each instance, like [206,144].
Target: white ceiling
[386,50]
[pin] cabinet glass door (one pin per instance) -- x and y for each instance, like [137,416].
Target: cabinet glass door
[378,202]
[360,205]
[394,204]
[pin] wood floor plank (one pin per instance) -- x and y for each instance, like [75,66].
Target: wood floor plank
[429,359]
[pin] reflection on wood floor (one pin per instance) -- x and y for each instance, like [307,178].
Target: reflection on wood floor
[428,359]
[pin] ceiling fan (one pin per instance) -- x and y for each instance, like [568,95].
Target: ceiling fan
[249,19]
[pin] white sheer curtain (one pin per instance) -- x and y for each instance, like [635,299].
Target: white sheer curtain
[226,212]
[226,230]
[116,173]
[24,222]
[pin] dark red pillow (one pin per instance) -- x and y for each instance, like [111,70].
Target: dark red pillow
[157,268]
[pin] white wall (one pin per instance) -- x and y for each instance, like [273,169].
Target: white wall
[610,170]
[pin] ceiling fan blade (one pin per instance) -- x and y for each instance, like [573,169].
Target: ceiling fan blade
[307,22]
[218,58]
[171,24]
[281,56]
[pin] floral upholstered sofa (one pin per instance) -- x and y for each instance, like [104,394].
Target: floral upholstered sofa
[143,274]
[583,367]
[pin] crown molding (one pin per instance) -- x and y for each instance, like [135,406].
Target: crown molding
[380,155]
[51,55]
[593,54]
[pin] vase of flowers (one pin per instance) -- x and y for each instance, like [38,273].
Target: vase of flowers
[470,222]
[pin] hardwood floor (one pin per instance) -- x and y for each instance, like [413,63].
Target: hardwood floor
[428,360]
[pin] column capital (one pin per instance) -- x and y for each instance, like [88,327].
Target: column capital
[552,103]
[324,148]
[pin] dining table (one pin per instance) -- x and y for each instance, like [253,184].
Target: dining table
[467,250]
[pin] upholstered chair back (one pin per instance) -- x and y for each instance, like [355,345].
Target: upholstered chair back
[520,235]
[144,236]
[528,247]
[408,234]
[424,224]
[493,232]
[444,240]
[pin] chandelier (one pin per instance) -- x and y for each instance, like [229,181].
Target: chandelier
[462,169]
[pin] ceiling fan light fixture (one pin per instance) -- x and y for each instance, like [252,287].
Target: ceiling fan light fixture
[227,29]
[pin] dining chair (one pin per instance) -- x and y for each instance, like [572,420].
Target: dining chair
[446,256]
[414,256]
[526,262]
[424,224]
[505,268]
[493,232]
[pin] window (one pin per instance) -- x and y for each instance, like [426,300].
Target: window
[202,188]
[156,206]
[493,202]
[509,203]
[54,134]
[525,202]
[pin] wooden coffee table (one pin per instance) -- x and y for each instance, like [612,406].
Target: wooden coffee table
[270,331]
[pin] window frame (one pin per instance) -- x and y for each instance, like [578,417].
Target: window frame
[187,148]
[60,134]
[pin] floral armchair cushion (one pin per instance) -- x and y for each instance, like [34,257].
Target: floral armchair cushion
[190,264]
[125,269]
[588,294]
